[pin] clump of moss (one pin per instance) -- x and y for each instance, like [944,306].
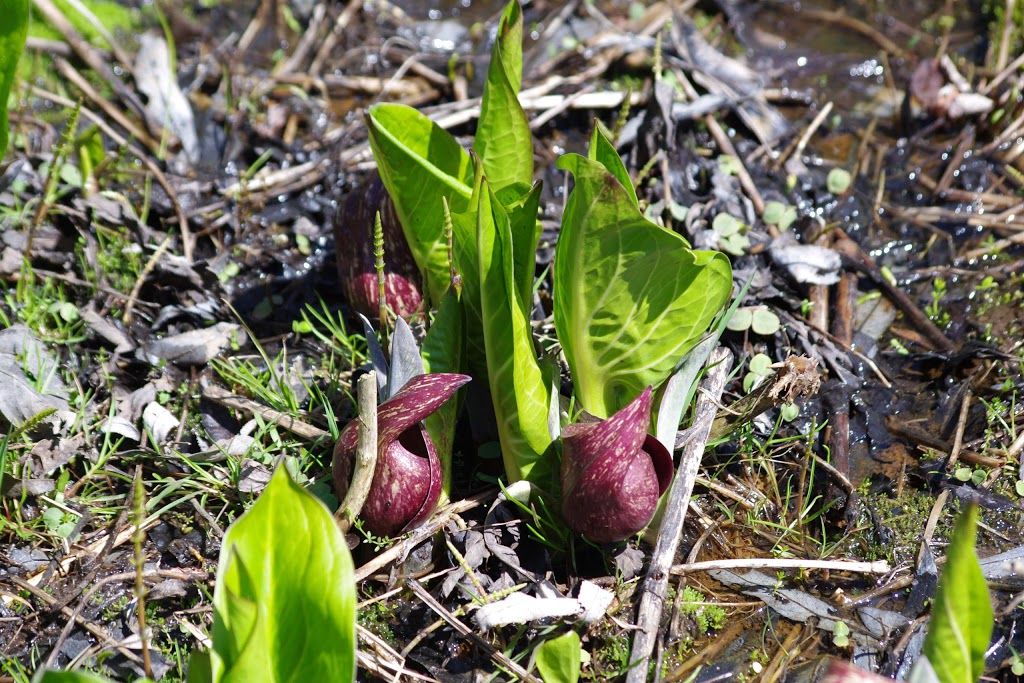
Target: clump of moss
[708,616]
[892,528]
[379,618]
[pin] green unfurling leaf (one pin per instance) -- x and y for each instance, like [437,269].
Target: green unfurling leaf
[503,139]
[419,163]
[961,623]
[630,298]
[518,389]
[442,351]
[284,607]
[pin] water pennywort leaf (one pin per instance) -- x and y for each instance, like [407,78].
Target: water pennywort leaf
[838,181]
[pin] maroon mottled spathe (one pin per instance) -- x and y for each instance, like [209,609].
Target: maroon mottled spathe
[613,473]
[353,247]
[407,481]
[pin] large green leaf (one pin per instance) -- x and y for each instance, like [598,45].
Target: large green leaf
[522,204]
[558,659]
[284,607]
[518,390]
[961,623]
[419,163]
[13,29]
[630,298]
[503,139]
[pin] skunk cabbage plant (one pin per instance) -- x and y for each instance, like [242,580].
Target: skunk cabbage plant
[356,254]
[613,473]
[407,482]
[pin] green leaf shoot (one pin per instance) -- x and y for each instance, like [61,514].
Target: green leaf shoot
[961,623]
[284,607]
[558,659]
[503,140]
[13,30]
[518,388]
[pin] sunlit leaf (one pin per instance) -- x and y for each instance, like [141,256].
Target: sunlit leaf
[284,607]
[13,29]
[961,622]
[630,298]
[558,659]
[443,353]
[518,389]
[420,163]
[503,140]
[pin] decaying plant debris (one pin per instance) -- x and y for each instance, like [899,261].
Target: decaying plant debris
[172,311]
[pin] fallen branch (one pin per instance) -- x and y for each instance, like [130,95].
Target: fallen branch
[655,585]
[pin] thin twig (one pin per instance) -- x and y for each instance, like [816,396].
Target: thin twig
[655,584]
[877,567]
[220,395]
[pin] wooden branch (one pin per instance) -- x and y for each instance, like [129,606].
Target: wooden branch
[366,454]
[655,585]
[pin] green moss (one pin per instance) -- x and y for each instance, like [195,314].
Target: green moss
[709,616]
[892,528]
[379,618]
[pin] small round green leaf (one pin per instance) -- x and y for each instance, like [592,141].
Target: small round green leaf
[773,212]
[764,322]
[790,411]
[963,474]
[740,320]
[760,363]
[838,181]
[978,477]
[749,381]
[1020,488]
[725,225]
[729,164]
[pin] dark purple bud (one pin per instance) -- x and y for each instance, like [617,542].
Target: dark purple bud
[353,247]
[407,481]
[613,473]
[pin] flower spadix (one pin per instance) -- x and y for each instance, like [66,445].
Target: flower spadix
[613,473]
[407,480]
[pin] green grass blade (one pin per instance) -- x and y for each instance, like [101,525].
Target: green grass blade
[13,29]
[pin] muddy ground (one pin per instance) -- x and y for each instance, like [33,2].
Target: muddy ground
[170,265]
